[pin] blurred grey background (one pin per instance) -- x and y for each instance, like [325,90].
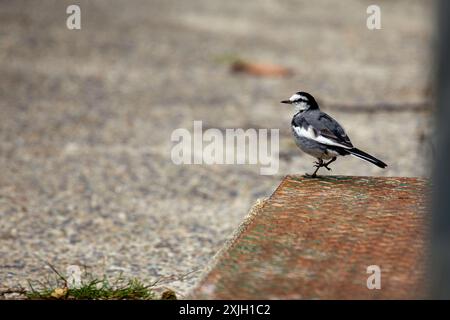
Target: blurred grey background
[86,118]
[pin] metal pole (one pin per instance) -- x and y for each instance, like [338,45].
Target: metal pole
[441,176]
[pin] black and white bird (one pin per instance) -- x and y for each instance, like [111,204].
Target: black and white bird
[320,136]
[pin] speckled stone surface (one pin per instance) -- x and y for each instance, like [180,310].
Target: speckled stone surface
[315,239]
[86,118]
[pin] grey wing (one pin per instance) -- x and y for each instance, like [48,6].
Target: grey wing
[329,130]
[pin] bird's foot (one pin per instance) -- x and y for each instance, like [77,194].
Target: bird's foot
[318,164]
[327,163]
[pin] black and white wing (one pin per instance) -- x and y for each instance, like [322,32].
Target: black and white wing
[322,128]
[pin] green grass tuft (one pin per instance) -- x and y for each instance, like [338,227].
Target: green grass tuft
[91,288]
[96,289]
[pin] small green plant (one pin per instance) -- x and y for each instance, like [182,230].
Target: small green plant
[90,288]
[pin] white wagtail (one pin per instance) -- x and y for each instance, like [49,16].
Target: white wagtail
[319,135]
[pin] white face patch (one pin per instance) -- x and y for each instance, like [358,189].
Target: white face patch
[300,106]
[299,102]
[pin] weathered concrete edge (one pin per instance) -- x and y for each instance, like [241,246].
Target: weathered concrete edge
[253,212]
[216,259]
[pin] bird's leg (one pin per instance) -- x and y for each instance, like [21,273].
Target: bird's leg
[317,164]
[327,163]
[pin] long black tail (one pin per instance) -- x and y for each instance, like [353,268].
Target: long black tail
[365,156]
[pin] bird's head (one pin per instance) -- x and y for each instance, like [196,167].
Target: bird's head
[302,101]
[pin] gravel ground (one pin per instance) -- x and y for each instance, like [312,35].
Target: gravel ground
[86,118]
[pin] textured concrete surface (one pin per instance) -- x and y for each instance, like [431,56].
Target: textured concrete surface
[315,239]
[86,118]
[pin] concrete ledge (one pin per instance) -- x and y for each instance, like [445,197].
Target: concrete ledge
[315,238]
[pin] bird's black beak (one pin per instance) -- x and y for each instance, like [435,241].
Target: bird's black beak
[287,101]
